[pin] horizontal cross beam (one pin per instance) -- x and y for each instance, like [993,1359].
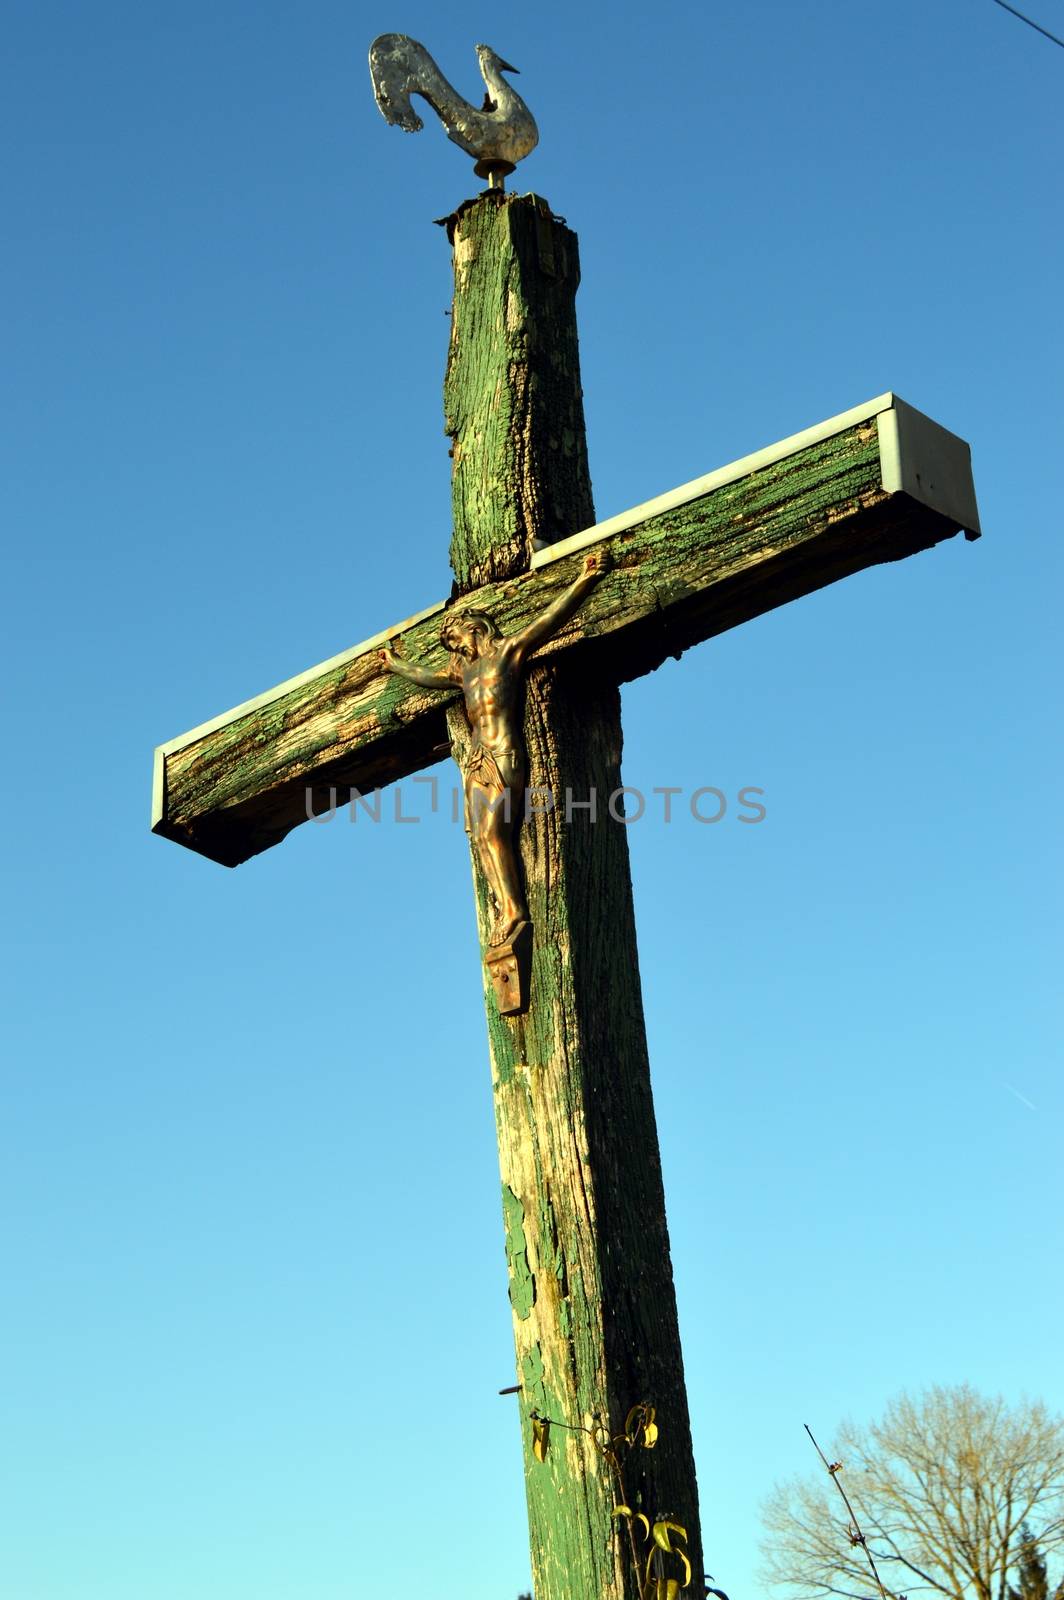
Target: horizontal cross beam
[876,483]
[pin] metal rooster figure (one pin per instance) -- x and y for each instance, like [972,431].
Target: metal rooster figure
[499,134]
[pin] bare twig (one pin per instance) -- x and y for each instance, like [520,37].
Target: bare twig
[856,1535]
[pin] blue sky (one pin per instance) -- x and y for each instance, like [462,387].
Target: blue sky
[253,1305]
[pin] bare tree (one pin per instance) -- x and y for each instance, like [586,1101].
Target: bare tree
[943,1489]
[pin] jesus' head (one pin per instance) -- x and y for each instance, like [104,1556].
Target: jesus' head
[467,633]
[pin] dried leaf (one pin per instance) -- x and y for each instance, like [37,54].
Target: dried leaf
[540,1437]
[641,1415]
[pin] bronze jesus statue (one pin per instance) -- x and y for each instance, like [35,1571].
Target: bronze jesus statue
[489,668]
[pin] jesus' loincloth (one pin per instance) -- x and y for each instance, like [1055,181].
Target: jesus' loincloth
[495,773]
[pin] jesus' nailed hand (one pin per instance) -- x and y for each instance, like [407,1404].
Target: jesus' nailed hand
[489,668]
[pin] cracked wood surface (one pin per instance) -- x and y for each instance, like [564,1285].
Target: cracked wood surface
[679,577]
[591,1291]
[591,1287]
[512,401]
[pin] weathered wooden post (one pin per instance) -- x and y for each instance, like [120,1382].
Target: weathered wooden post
[591,1288]
[520,671]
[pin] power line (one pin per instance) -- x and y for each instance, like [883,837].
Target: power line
[1035,25]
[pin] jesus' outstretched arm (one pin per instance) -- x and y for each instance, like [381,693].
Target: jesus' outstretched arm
[547,624]
[416,674]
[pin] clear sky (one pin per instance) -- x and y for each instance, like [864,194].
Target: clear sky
[253,1307]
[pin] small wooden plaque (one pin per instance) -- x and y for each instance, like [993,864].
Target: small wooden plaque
[508,967]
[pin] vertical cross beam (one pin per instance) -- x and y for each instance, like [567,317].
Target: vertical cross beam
[594,1310]
[512,399]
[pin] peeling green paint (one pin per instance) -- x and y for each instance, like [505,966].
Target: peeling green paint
[522,1279]
[513,382]
[572,1101]
[678,577]
[532,1372]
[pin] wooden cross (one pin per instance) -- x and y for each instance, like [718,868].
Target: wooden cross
[590,1278]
